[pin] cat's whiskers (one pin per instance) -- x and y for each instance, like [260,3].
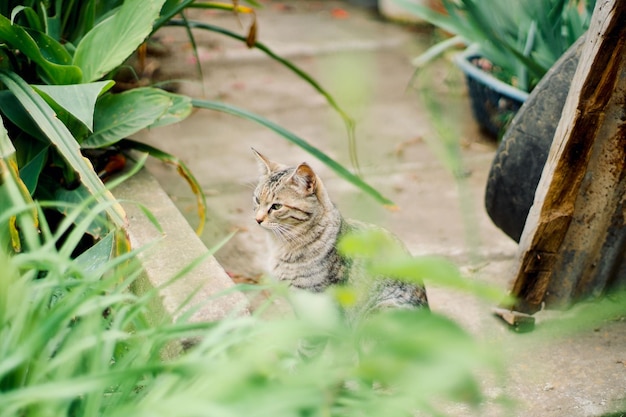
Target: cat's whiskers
[286,234]
[249,184]
[289,235]
[280,232]
[275,229]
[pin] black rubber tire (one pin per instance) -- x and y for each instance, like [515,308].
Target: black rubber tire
[523,151]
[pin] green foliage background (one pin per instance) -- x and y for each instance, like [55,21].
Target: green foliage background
[522,39]
[76,341]
[58,62]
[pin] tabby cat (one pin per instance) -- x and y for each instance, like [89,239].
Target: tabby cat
[292,203]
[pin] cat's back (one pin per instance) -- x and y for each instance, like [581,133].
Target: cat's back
[381,291]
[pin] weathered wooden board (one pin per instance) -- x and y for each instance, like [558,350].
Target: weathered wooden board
[574,240]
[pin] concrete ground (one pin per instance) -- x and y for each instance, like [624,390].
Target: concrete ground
[364,62]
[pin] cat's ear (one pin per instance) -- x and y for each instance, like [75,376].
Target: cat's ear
[265,164]
[304,179]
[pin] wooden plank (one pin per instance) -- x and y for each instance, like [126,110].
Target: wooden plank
[518,322]
[578,212]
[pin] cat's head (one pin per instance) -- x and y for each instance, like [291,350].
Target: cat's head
[288,197]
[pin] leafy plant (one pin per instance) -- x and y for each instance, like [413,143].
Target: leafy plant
[84,348]
[58,62]
[76,341]
[79,343]
[521,39]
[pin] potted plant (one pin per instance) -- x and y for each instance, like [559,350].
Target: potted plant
[59,64]
[510,46]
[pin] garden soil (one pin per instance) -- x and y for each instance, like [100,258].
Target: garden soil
[410,128]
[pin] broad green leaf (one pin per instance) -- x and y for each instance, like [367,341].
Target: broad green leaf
[53,25]
[331,163]
[15,112]
[31,156]
[76,127]
[78,99]
[51,72]
[120,115]
[52,50]
[180,108]
[109,43]
[58,134]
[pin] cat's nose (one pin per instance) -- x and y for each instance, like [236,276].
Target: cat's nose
[259,219]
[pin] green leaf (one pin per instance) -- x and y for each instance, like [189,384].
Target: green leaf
[73,22]
[13,195]
[78,99]
[77,128]
[120,115]
[438,271]
[75,197]
[109,43]
[386,257]
[15,112]
[522,38]
[331,163]
[179,109]
[417,342]
[170,9]
[370,243]
[58,134]
[31,17]
[51,72]
[52,50]
[31,157]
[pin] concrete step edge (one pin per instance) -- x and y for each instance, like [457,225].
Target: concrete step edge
[211,290]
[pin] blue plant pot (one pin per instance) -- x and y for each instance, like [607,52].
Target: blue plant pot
[494,103]
[369,4]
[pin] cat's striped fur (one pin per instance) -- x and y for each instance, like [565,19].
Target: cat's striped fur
[305,226]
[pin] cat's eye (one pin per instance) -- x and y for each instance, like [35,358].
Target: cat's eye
[276,206]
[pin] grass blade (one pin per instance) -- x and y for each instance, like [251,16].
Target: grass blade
[14,193]
[331,163]
[348,121]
